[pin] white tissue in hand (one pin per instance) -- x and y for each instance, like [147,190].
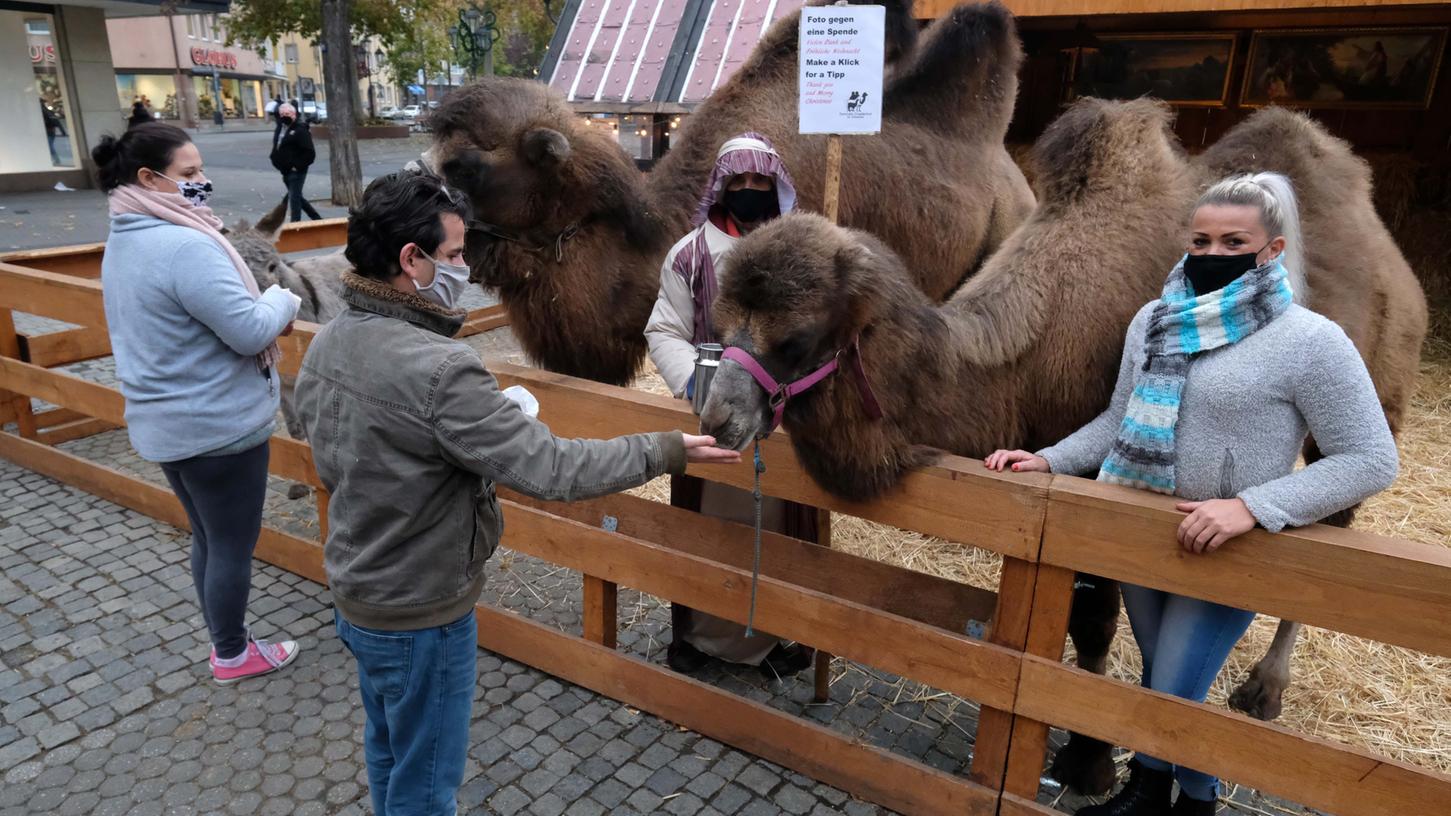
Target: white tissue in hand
[527,403]
[296,300]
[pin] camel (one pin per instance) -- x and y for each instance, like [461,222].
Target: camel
[317,280]
[572,234]
[1027,351]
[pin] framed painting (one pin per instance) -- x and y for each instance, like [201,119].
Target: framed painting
[1344,68]
[1179,68]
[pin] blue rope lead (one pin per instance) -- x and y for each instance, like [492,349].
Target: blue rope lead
[756,565]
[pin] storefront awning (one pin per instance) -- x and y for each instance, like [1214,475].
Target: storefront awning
[638,55]
[416,90]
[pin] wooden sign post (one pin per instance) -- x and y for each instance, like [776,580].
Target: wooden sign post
[842,59]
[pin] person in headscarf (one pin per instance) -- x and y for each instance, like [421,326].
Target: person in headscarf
[748,186]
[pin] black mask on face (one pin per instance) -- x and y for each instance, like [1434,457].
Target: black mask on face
[287,120]
[1210,273]
[750,206]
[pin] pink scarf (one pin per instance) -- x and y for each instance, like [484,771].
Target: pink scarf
[133,199]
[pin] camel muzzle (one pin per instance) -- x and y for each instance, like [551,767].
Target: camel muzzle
[779,394]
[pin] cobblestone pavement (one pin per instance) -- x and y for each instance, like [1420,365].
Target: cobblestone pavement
[105,705]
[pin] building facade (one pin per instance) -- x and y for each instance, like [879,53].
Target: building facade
[181,68]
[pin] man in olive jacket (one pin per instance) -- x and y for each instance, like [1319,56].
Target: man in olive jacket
[409,433]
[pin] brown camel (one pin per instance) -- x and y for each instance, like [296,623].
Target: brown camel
[1028,350]
[573,235]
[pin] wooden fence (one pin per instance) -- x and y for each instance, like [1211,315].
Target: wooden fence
[899,621]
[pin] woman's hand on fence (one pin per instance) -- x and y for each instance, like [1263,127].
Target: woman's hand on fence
[1020,460]
[702,450]
[1211,523]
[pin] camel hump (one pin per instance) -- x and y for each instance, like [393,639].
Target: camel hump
[963,75]
[1097,140]
[1274,139]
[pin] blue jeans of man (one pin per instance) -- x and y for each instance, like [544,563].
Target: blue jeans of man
[418,691]
[1184,642]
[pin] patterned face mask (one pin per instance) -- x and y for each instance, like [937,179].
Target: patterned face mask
[195,192]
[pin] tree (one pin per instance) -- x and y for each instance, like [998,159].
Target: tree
[337,24]
[342,86]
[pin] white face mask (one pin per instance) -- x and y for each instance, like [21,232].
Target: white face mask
[448,283]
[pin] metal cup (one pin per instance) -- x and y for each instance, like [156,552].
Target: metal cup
[707,361]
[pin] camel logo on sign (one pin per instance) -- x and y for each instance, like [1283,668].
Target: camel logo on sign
[219,59]
[856,100]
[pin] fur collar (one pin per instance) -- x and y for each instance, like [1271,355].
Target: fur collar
[376,296]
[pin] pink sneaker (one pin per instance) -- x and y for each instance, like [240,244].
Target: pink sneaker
[262,658]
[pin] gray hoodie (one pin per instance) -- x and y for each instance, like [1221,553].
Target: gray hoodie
[1244,415]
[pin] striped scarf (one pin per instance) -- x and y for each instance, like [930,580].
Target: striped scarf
[1181,326]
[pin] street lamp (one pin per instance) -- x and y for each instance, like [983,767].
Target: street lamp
[474,37]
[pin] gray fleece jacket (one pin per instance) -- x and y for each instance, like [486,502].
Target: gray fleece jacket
[1244,415]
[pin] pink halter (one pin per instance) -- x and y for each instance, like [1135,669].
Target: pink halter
[779,394]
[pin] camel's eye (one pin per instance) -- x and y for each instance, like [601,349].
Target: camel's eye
[794,347]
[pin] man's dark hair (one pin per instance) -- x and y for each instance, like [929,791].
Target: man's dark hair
[149,144]
[400,209]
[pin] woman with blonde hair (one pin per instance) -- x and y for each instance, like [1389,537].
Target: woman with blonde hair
[1221,380]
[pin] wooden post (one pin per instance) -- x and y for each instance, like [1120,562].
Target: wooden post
[601,615]
[1052,601]
[1009,628]
[831,197]
[18,403]
[831,200]
[823,659]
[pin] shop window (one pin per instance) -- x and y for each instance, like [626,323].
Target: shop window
[33,103]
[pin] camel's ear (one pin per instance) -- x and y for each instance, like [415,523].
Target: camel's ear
[545,148]
[271,224]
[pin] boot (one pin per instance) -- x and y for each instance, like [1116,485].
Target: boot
[1145,794]
[1185,806]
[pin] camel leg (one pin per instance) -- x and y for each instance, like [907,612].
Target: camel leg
[1086,764]
[1259,695]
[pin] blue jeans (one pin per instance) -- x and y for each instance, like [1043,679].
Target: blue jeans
[418,692]
[1184,642]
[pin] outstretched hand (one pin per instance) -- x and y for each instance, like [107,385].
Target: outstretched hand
[1211,523]
[1020,460]
[702,450]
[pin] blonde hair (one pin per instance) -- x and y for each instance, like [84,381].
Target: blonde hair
[1274,196]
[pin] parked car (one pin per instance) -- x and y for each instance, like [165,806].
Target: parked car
[322,111]
[390,112]
[411,111]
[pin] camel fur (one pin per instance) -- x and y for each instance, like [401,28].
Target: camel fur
[573,235]
[1028,350]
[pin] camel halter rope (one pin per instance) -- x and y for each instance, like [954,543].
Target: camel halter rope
[779,395]
[496,231]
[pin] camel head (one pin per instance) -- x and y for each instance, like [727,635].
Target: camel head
[533,170]
[562,223]
[800,293]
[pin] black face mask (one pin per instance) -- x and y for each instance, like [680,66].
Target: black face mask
[287,120]
[1210,273]
[750,206]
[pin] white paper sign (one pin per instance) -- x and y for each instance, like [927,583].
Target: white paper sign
[842,53]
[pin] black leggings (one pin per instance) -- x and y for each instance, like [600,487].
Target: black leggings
[223,497]
[294,182]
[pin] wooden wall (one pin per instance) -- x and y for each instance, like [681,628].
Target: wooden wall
[1043,90]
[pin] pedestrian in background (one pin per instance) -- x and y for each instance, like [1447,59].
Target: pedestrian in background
[196,354]
[139,114]
[292,154]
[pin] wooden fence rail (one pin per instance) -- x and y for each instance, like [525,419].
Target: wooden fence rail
[1046,527]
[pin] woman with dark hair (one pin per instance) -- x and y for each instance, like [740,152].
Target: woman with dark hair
[196,354]
[1221,379]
